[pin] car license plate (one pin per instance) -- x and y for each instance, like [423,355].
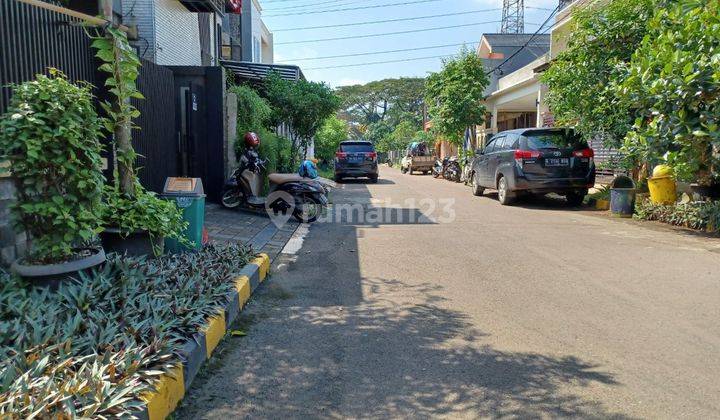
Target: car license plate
[557,162]
[355,159]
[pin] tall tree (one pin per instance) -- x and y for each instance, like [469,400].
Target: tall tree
[455,95]
[302,105]
[388,100]
[673,85]
[582,79]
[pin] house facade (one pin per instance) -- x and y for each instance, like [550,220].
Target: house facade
[245,36]
[513,94]
[174,32]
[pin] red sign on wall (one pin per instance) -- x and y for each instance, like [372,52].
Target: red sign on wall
[234,6]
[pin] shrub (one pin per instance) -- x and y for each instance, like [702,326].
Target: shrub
[673,83]
[50,134]
[92,348]
[254,114]
[144,211]
[700,215]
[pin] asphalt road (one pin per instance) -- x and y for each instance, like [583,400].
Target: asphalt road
[531,311]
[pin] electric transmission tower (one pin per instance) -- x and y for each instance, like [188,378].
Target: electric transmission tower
[513,17]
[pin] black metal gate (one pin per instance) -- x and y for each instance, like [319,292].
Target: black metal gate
[199,93]
[156,141]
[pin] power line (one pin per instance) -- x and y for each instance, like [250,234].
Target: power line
[430,47]
[377,6]
[386,21]
[379,52]
[437,28]
[379,62]
[326,3]
[528,41]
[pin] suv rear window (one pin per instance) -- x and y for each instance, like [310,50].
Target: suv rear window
[553,140]
[356,147]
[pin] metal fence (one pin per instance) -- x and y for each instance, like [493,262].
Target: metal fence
[33,39]
[156,140]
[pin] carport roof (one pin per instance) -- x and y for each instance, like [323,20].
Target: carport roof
[260,71]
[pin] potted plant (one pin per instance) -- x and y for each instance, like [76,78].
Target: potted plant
[136,221]
[50,135]
[138,225]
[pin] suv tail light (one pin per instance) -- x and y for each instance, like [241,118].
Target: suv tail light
[521,155]
[527,154]
[341,155]
[371,155]
[584,153]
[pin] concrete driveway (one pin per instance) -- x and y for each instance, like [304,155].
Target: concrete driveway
[531,311]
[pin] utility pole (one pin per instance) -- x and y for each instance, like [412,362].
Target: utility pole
[513,17]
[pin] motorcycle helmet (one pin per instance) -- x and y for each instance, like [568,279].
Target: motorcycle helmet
[252,140]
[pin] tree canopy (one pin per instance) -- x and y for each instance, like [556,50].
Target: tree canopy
[455,95]
[390,101]
[302,105]
[582,79]
[328,138]
[673,85]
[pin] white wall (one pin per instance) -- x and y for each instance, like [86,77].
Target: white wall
[177,35]
[142,14]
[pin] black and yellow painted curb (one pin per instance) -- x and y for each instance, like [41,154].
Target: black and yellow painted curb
[170,388]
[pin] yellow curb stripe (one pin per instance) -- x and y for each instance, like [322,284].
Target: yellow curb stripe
[263,263]
[242,284]
[170,389]
[214,332]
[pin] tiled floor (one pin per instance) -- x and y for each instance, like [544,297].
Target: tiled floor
[247,227]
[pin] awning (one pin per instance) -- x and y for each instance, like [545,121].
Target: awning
[259,71]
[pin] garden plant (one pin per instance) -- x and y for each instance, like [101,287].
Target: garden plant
[92,349]
[50,134]
[130,208]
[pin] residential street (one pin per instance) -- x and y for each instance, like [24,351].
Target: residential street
[531,311]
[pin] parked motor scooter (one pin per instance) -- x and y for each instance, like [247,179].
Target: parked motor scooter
[244,187]
[453,170]
[438,168]
[467,165]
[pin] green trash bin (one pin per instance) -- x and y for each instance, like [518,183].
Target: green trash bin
[189,195]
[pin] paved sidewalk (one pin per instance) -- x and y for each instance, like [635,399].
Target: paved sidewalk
[225,225]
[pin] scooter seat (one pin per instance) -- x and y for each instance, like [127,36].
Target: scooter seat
[279,179]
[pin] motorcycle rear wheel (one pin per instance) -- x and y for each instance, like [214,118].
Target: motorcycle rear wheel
[231,198]
[309,209]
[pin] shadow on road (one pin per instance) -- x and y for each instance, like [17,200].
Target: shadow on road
[326,342]
[380,181]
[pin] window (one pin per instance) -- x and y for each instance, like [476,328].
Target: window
[509,142]
[256,50]
[357,147]
[494,145]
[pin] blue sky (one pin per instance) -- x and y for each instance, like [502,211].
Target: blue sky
[289,53]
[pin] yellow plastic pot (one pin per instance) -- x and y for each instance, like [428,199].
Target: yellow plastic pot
[662,190]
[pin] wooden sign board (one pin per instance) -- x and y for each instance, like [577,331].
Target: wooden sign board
[181,185]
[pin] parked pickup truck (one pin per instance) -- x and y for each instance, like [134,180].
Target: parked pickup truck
[412,164]
[417,159]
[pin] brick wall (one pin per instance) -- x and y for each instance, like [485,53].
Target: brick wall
[12,245]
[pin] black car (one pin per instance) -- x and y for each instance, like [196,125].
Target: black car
[535,161]
[355,159]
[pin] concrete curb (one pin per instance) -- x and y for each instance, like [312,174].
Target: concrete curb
[171,387]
